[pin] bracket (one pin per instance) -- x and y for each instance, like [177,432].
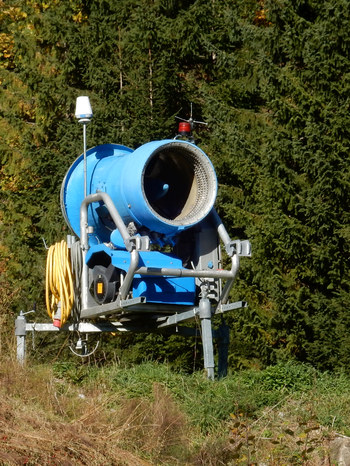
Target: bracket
[240,247]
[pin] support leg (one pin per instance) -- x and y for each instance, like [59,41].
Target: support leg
[207,336]
[20,332]
[223,340]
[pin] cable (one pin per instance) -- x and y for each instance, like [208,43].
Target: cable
[59,284]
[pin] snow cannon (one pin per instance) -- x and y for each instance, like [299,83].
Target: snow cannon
[160,189]
[148,231]
[148,251]
[145,253]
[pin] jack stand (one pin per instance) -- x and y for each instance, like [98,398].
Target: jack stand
[207,336]
[20,332]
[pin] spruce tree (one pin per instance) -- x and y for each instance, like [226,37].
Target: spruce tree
[271,80]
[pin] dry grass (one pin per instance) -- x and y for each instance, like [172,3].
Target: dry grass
[45,421]
[50,417]
[158,427]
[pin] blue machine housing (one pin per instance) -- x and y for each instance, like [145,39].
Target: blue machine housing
[162,186]
[170,290]
[159,190]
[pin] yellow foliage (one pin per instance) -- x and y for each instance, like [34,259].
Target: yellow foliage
[14,13]
[260,15]
[6,47]
[16,176]
[11,15]
[79,17]
[15,101]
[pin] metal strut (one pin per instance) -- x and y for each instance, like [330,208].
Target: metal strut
[161,316]
[207,335]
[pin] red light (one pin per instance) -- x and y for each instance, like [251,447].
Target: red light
[184,127]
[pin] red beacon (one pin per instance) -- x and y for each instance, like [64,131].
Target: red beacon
[185,127]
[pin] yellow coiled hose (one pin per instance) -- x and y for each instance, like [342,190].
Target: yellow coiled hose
[59,283]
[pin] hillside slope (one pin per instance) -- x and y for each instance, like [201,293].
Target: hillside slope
[68,414]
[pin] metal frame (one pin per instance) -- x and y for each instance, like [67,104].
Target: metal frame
[159,323]
[161,317]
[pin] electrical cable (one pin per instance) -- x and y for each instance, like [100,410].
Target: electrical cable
[59,284]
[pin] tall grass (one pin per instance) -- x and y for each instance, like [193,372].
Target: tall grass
[68,413]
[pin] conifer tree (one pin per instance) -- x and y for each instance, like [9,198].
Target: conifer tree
[271,80]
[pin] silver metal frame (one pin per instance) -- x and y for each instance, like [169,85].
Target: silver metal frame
[160,316]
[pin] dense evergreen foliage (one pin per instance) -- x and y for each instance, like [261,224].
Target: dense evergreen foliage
[271,79]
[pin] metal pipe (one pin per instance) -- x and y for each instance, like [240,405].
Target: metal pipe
[228,285]
[225,238]
[222,232]
[96,197]
[164,271]
[85,169]
[117,219]
[134,262]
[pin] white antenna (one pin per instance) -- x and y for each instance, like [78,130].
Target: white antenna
[186,128]
[83,112]
[191,121]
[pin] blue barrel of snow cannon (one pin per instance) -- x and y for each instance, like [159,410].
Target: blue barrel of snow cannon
[163,187]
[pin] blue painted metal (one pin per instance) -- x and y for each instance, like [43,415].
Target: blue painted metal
[161,188]
[170,290]
[99,170]
[156,186]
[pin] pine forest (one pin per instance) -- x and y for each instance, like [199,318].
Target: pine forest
[271,78]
